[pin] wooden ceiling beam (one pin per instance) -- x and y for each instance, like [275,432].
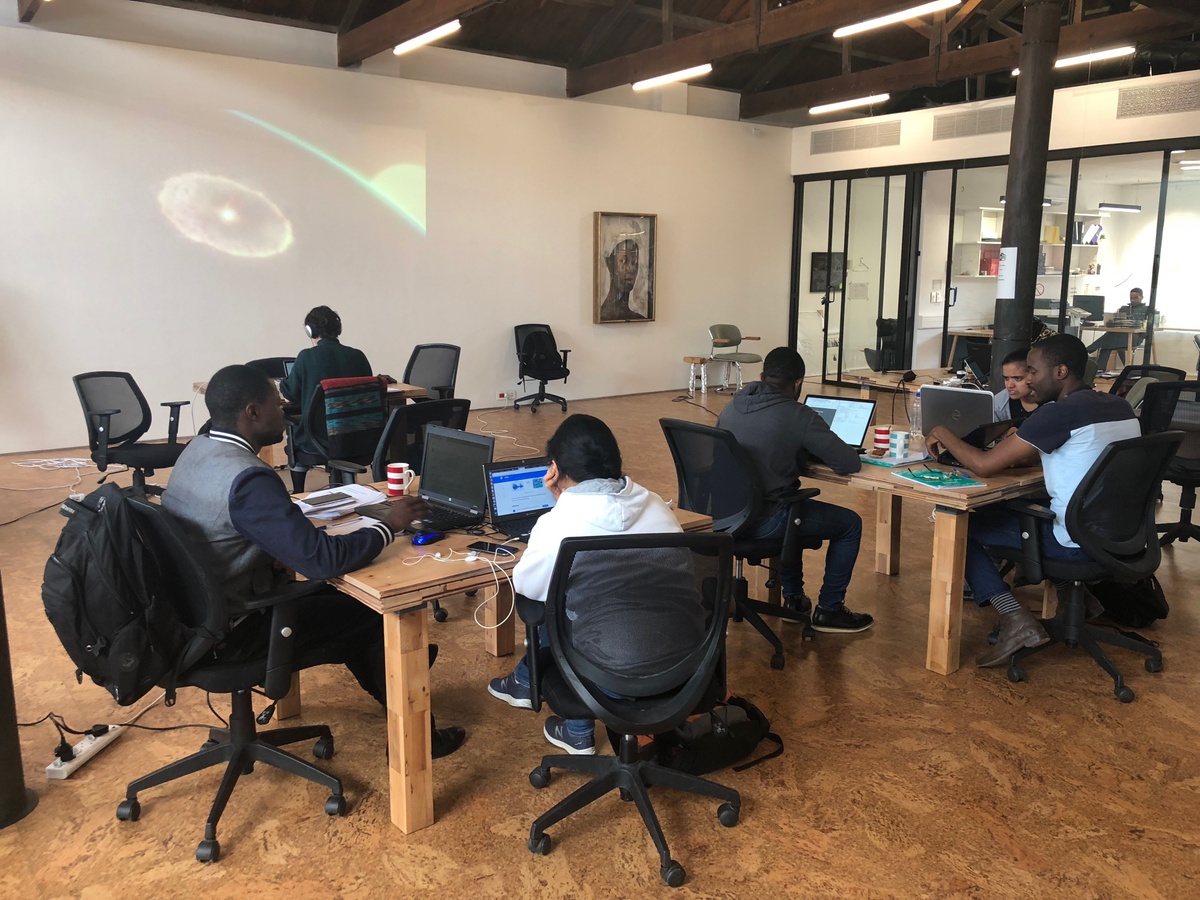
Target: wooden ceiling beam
[27,9]
[600,31]
[963,13]
[400,24]
[996,56]
[776,27]
[773,67]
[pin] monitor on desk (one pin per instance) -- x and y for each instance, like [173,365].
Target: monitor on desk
[1093,304]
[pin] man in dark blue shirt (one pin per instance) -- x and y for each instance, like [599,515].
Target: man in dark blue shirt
[233,505]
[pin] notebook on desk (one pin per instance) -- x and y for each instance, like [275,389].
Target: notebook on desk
[517,494]
[452,480]
[847,417]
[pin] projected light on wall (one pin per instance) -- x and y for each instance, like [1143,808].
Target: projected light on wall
[400,187]
[227,216]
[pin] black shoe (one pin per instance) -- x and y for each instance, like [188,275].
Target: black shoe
[447,740]
[840,620]
[798,603]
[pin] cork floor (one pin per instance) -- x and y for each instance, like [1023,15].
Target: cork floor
[895,782]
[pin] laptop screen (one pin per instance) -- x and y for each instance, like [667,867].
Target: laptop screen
[848,418]
[517,487]
[452,470]
[961,410]
[288,365]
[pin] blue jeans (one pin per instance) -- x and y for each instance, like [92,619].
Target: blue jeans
[994,527]
[576,728]
[841,527]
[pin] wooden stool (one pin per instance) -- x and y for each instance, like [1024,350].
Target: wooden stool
[699,370]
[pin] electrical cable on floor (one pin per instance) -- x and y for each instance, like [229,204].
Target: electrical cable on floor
[503,434]
[684,398]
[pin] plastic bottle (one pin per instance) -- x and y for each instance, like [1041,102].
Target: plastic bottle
[914,424]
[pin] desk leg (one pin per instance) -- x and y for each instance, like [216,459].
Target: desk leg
[410,757]
[887,534]
[953,347]
[289,706]
[1049,600]
[500,639]
[945,591]
[864,391]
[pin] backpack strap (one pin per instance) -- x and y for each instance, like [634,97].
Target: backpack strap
[769,736]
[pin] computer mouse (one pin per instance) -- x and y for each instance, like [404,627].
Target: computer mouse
[420,539]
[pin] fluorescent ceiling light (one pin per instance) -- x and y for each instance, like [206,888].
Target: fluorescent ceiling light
[849,104]
[1046,201]
[1174,152]
[681,75]
[1111,53]
[1120,207]
[422,39]
[895,17]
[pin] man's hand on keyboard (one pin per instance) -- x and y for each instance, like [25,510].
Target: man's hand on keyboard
[407,512]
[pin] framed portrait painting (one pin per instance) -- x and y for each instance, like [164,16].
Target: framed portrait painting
[624,261]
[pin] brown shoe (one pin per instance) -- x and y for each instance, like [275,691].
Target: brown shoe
[1017,630]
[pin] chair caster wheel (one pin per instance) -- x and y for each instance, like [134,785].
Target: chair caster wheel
[1153,665]
[777,661]
[625,796]
[728,814]
[539,778]
[533,409]
[129,810]
[672,874]
[1016,674]
[540,845]
[1124,693]
[209,744]
[336,805]
[323,748]
[440,615]
[807,633]
[208,851]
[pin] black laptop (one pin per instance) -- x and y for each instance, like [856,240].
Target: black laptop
[452,477]
[517,494]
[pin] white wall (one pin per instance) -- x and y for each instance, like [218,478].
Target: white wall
[95,276]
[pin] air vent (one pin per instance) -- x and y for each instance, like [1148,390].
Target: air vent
[993,120]
[1158,100]
[860,137]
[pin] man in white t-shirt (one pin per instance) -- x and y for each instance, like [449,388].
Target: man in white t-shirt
[1068,431]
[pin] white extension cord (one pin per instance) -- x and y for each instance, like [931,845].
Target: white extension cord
[88,746]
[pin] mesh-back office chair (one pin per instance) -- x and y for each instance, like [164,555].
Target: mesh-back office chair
[117,414]
[1111,517]
[718,478]
[645,581]
[199,599]
[538,358]
[725,342]
[1175,405]
[345,421]
[1196,341]
[885,355]
[272,366]
[1134,375]
[435,368]
[404,436]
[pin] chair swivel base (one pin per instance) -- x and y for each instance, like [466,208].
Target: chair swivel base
[536,400]
[632,776]
[1183,530]
[1073,631]
[240,747]
[752,611]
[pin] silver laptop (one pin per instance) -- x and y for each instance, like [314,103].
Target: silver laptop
[848,418]
[961,410]
[452,481]
[517,494]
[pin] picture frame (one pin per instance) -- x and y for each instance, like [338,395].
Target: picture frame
[624,257]
[818,273]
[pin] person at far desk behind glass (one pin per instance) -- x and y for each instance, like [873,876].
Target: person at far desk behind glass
[326,358]
[1135,313]
[1068,431]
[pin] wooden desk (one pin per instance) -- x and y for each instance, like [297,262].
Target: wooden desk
[956,333]
[867,380]
[949,540]
[397,590]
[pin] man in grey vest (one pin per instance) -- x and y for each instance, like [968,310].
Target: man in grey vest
[230,502]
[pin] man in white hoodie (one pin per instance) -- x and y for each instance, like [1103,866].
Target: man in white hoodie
[593,498]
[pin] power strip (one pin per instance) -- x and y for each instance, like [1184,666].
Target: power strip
[88,747]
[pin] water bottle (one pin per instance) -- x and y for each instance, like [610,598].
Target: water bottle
[914,423]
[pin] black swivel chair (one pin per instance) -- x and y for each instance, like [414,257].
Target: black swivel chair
[272,366]
[1131,375]
[1176,405]
[435,368]
[345,421]
[885,356]
[718,478]
[117,415]
[1111,517]
[404,437]
[538,358]
[628,575]
[200,601]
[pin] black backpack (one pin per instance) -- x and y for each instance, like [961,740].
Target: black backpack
[1134,605]
[103,593]
[716,739]
[539,351]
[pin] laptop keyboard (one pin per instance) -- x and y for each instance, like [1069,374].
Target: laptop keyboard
[442,519]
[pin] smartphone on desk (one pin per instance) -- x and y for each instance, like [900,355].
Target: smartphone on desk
[489,547]
[326,499]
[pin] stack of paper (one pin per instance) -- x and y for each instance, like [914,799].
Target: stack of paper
[338,501]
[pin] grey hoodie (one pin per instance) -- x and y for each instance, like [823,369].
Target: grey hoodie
[780,434]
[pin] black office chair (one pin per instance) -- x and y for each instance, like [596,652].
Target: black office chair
[718,478]
[435,368]
[538,358]
[117,415]
[1111,517]
[647,580]
[1175,405]
[885,355]
[403,438]
[345,421]
[1133,375]
[200,601]
[272,366]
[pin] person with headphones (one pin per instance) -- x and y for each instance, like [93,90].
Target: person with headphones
[326,358]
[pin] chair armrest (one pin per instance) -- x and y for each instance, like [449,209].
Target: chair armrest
[799,495]
[1028,508]
[280,647]
[103,420]
[533,614]
[746,337]
[173,419]
[443,391]
[343,470]
[293,590]
[1031,548]
[564,355]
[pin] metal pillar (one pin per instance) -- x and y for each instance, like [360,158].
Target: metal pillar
[15,801]
[1026,178]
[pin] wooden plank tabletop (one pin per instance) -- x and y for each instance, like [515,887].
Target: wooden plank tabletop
[1009,484]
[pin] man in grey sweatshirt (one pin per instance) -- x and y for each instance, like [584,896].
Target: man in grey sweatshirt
[780,435]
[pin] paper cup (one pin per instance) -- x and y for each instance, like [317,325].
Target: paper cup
[399,477]
[898,444]
[883,435]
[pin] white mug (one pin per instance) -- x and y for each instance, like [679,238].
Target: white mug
[399,477]
[898,444]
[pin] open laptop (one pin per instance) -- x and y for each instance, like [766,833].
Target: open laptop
[961,410]
[287,367]
[452,480]
[517,494]
[848,418]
